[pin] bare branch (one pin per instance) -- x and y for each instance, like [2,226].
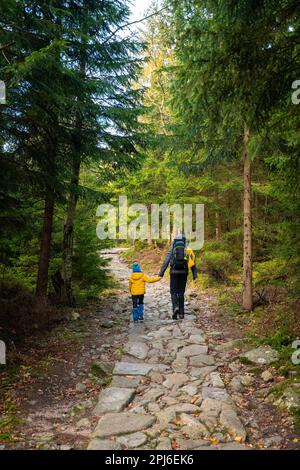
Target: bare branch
[126,25]
[5,46]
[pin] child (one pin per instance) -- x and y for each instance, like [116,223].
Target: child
[137,282]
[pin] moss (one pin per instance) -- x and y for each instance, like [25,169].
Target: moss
[295,412]
[256,370]
[6,436]
[278,389]
[102,371]
[245,360]
[8,423]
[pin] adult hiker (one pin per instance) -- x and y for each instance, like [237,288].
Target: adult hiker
[181,258]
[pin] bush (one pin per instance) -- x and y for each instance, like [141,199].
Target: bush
[218,264]
[18,319]
[16,310]
[89,274]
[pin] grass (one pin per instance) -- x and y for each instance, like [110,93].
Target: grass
[295,412]
[8,422]
[278,389]
[256,370]
[120,320]
[6,437]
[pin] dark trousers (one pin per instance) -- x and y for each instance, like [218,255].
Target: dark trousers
[137,300]
[177,288]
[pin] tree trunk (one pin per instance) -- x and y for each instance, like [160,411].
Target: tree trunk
[149,232]
[247,261]
[218,226]
[67,247]
[42,279]
[149,235]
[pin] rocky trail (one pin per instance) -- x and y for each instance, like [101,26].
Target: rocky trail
[102,382]
[178,385]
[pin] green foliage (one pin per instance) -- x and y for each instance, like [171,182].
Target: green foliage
[70,100]
[218,264]
[272,272]
[89,275]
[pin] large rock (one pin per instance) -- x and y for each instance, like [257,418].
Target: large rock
[247,380]
[236,384]
[190,389]
[202,360]
[211,406]
[267,376]
[190,444]
[164,443]
[121,381]
[137,349]
[103,444]
[156,377]
[132,441]
[216,380]
[175,379]
[160,368]
[113,399]
[214,393]
[202,372]
[180,364]
[164,417]
[168,414]
[196,339]
[128,368]
[193,350]
[230,421]
[114,424]
[209,412]
[262,355]
[273,441]
[192,427]
[232,446]
[230,345]
[289,399]
[183,408]
[152,395]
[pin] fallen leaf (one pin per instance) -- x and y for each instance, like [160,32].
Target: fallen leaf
[177,422]
[175,445]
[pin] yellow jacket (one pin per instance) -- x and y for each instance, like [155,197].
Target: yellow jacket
[137,282]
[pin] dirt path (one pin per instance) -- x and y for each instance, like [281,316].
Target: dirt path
[170,388]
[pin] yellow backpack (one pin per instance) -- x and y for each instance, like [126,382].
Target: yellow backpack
[191,257]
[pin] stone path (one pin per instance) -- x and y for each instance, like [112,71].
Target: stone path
[166,391]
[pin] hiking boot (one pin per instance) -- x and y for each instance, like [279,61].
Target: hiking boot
[135,314]
[181,315]
[175,313]
[141,313]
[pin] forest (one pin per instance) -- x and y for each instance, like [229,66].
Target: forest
[201,105]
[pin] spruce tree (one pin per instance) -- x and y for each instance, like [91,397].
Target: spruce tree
[226,86]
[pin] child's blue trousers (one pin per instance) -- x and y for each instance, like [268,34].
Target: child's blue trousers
[137,307]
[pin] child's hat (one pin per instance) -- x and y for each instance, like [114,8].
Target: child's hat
[136,268]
